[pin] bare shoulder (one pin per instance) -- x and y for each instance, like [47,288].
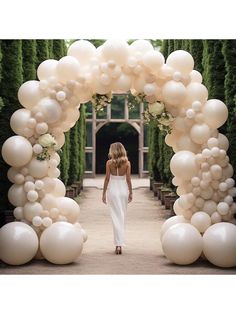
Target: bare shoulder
[108,163]
[128,163]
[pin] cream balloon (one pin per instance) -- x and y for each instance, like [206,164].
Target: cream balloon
[201,221]
[209,207]
[18,213]
[215,112]
[196,92]
[200,133]
[182,244]
[38,168]
[171,222]
[140,46]
[184,142]
[19,120]
[68,68]
[69,208]
[17,151]
[219,245]
[49,201]
[29,94]
[51,110]
[47,69]
[174,93]
[153,60]
[181,61]
[32,209]
[61,243]
[84,234]
[18,243]
[122,84]
[82,50]
[195,76]
[223,142]
[17,195]
[183,165]
[116,50]
[59,189]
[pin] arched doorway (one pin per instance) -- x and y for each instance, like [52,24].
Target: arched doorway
[117,132]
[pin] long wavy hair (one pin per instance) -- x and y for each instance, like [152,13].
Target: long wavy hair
[117,154]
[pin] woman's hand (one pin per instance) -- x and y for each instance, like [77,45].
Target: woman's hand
[104,198]
[130,197]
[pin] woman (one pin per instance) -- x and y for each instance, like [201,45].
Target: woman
[117,190]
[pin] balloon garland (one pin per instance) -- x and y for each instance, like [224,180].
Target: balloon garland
[47,222]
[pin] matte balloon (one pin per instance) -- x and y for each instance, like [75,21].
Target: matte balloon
[19,120]
[183,165]
[174,93]
[215,112]
[201,221]
[209,207]
[49,201]
[32,196]
[61,243]
[219,245]
[69,208]
[47,69]
[47,222]
[171,222]
[216,218]
[182,244]
[82,50]
[18,213]
[50,109]
[117,50]
[37,221]
[32,209]
[68,69]
[223,208]
[59,189]
[84,234]
[181,61]
[17,151]
[184,142]
[49,184]
[18,243]
[17,195]
[200,133]
[195,76]
[38,168]
[122,84]
[29,94]
[153,60]
[142,46]
[196,92]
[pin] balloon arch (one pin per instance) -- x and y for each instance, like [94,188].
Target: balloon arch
[47,225]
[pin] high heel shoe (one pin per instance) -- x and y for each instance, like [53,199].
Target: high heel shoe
[118,250]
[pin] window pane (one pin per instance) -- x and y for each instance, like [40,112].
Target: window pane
[89,110]
[89,161]
[89,142]
[118,107]
[145,135]
[134,112]
[145,161]
[102,114]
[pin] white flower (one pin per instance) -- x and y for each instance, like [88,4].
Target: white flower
[156,108]
[134,92]
[47,140]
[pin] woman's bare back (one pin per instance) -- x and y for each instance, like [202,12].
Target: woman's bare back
[122,170]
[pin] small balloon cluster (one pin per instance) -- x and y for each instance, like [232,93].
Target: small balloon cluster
[175,95]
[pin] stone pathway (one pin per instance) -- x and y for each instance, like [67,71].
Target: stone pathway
[143,253]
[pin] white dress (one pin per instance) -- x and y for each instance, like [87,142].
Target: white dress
[117,199]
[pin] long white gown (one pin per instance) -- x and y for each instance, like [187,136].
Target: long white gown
[117,199]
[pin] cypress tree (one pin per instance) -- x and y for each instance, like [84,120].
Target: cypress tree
[81,141]
[196,50]
[74,154]
[59,49]
[65,159]
[12,78]
[1,101]
[229,52]
[29,55]
[214,68]
[178,44]
[154,152]
[42,51]
[50,49]
[186,45]
[171,46]
[164,48]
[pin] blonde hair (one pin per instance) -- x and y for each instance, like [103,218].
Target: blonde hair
[117,154]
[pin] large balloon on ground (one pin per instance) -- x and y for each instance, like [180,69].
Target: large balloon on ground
[219,245]
[18,243]
[61,243]
[182,244]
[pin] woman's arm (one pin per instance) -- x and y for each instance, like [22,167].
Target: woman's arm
[128,179]
[106,181]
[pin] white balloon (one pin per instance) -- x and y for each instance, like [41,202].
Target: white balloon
[141,46]
[183,165]
[223,208]
[37,221]
[32,209]
[171,222]
[82,50]
[209,207]
[18,213]
[196,92]
[201,221]
[215,112]
[116,50]
[69,208]
[219,245]
[29,94]
[200,133]
[84,234]
[195,76]
[61,243]
[181,61]
[216,217]
[182,244]
[174,93]
[51,110]
[223,142]
[17,195]
[59,189]
[153,60]
[17,151]
[47,69]
[68,69]
[19,120]
[18,243]
[32,196]
[38,168]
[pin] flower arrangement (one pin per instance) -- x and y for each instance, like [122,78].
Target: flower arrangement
[48,142]
[101,101]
